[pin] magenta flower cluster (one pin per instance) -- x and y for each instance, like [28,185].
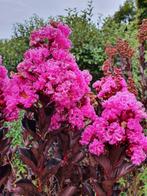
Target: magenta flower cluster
[119,124]
[49,74]
[6,114]
[109,85]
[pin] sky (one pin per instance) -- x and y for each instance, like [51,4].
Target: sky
[16,11]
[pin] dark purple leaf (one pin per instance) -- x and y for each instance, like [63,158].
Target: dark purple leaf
[64,142]
[104,162]
[87,189]
[124,169]
[116,153]
[108,186]
[28,158]
[78,157]
[42,120]
[49,109]
[1,133]
[69,191]
[27,188]
[5,171]
[51,168]
[29,124]
[30,127]
[52,162]
[4,145]
[99,191]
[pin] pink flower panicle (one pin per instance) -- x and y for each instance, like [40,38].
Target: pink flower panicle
[119,124]
[111,51]
[142,35]
[123,49]
[109,85]
[121,116]
[53,37]
[7,113]
[49,72]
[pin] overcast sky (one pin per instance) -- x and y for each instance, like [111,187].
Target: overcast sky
[13,11]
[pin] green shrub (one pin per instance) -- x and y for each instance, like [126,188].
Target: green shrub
[15,132]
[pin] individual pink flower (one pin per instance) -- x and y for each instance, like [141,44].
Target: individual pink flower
[115,133]
[9,112]
[109,86]
[76,118]
[138,155]
[88,135]
[96,147]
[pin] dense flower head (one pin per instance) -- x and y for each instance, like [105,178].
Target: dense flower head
[142,35]
[111,51]
[3,81]
[53,36]
[6,113]
[106,67]
[109,85]
[119,124]
[121,114]
[138,154]
[49,72]
[96,147]
[123,49]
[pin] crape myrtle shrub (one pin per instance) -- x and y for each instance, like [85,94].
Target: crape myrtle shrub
[75,141]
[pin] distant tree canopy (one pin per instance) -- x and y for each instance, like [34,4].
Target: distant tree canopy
[86,39]
[24,29]
[141,9]
[126,12]
[12,50]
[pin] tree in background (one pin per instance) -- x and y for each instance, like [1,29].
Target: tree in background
[12,50]
[126,12]
[86,37]
[141,9]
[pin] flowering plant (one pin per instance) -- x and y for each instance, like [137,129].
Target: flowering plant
[77,141]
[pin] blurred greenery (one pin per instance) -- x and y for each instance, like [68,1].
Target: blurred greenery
[12,50]
[141,10]
[134,183]
[15,132]
[126,12]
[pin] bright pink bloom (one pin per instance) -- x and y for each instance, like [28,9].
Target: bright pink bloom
[138,155]
[109,85]
[119,123]
[115,133]
[8,112]
[88,135]
[49,72]
[96,147]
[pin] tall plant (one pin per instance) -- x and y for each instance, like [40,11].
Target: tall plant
[5,143]
[77,141]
